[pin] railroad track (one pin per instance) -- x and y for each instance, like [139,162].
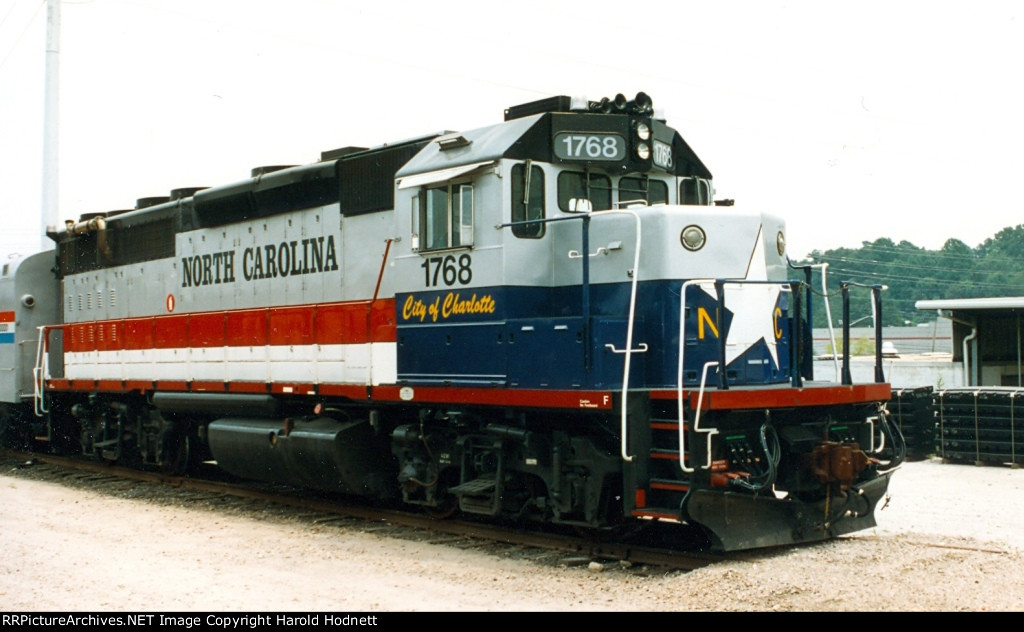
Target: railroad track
[314,508]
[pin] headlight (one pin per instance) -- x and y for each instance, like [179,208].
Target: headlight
[693,238]
[643,152]
[642,131]
[780,243]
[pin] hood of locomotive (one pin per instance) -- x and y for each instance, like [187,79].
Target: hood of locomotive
[692,247]
[28,300]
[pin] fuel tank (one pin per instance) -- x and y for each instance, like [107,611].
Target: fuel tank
[346,457]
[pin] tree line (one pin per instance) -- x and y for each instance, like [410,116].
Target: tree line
[909,274]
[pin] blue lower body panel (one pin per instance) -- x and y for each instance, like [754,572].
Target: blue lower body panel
[537,338]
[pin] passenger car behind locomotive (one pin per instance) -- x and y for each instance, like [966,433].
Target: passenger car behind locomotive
[547,319]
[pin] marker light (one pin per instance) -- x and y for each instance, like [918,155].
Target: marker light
[693,238]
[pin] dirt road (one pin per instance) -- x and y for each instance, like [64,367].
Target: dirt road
[950,538]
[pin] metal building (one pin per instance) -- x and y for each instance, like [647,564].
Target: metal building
[987,338]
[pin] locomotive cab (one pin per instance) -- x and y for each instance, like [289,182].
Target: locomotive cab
[530,252]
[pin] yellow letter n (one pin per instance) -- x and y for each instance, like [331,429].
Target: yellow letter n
[702,318]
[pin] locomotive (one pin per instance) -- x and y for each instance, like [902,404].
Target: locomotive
[549,319]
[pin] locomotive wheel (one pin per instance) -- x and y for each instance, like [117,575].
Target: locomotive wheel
[449,505]
[179,456]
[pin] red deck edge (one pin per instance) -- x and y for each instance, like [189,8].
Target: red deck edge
[733,399]
[674,487]
[581,400]
[772,397]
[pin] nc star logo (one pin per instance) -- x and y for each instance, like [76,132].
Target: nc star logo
[751,307]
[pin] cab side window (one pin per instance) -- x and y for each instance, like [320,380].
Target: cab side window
[447,216]
[695,191]
[527,201]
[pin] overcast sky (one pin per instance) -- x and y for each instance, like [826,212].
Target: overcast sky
[852,120]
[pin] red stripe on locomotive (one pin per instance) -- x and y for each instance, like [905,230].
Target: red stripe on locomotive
[337,323]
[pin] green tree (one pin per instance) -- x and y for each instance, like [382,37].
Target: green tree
[910,274]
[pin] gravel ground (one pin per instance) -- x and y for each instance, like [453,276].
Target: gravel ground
[950,538]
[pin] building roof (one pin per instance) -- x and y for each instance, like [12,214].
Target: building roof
[973,304]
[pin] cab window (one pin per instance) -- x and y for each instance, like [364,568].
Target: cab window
[447,216]
[695,191]
[527,206]
[597,188]
[642,190]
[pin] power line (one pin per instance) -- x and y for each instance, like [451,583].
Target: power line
[937,280]
[935,254]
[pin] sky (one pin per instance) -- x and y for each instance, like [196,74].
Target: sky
[851,120]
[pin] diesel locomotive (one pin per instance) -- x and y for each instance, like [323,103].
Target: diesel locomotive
[550,319]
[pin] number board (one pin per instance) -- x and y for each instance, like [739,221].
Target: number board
[589,146]
[663,155]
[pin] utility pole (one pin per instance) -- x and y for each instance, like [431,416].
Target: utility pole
[51,120]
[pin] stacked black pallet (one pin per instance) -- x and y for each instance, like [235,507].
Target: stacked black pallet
[912,412]
[983,425]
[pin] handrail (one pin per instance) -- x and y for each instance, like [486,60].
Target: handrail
[679,381]
[828,318]
[629,350]
[872,448]
[696,422]
[40,371]
[583,254]
[876,298]
[682,350]
[828,309]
